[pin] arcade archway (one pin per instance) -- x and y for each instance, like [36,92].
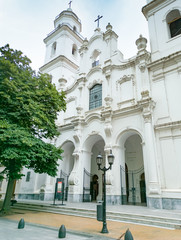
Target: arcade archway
[133,186]
[92,180]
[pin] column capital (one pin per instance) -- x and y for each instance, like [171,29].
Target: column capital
[147,105]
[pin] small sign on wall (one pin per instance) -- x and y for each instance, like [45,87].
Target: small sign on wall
[59,186]
[59,189]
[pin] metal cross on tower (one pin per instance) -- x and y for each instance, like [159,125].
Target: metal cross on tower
[97,20]
[70,4]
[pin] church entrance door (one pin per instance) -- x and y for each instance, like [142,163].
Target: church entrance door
[92,177]
[133,187]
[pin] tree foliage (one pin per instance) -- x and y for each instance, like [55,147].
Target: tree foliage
[29,104]
[27,99]
[19,149]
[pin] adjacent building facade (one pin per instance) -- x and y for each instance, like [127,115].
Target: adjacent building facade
[130,106]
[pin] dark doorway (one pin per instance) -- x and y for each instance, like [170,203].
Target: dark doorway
[133,193]
[142,188]
[94,188]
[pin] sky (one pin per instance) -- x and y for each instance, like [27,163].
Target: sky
[25,23]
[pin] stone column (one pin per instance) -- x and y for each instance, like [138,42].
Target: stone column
[74,194]
[81,161]
[118,179]
[153,186]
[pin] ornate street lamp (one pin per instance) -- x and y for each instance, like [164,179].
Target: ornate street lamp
[99,161]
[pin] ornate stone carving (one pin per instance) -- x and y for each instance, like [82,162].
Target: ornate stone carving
[70,99]
[73,179]
[79,110]
[142,67]
[62,81]
[141,43]
[125,78]
[108,129]
[97,81]
[84,47]
[147,104]
[108,101]
[109,27]
[145,94]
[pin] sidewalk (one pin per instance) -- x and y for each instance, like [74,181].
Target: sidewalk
[9,231]
[82,225]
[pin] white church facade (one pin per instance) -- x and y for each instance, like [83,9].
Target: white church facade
[130,106]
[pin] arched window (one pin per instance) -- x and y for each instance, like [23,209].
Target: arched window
[54,47]
[95,96]
[74,49]
[95,58]
[174,22]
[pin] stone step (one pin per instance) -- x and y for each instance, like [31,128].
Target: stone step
[157,221]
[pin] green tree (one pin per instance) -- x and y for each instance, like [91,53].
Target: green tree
[29,104]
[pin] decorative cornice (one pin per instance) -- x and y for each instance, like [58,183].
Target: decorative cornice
[131,102]
[77,121]
[68,13]
[125,65]
[154,6]
[143,58]
[65,127]
[172,56]
[59,59]
[64,26]
[126,111]
[168,125]
[107,113]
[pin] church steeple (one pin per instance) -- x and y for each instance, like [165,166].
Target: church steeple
[65,39]
[68,17]
[62,46]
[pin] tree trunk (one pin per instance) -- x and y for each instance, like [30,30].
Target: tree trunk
[7,200]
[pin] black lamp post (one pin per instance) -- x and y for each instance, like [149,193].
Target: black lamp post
[99,160]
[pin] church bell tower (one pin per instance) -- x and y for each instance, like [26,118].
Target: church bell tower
[62,44]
